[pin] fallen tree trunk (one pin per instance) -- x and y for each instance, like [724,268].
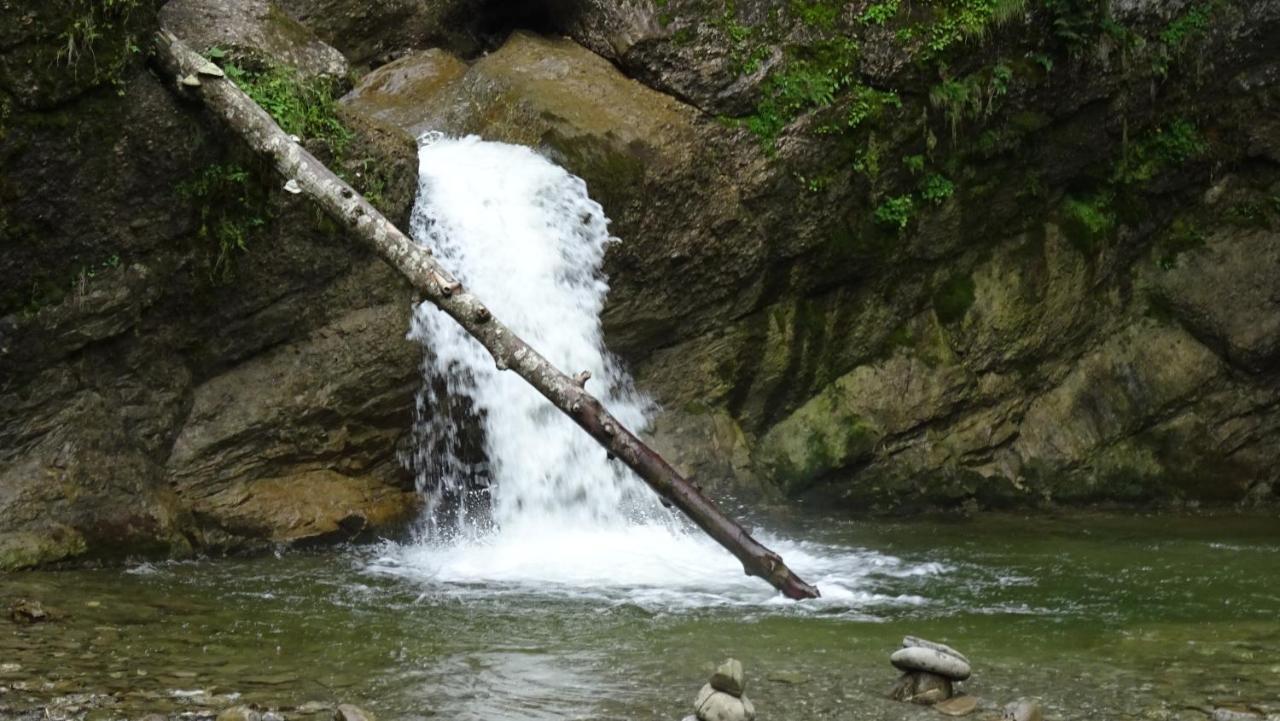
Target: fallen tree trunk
[196,76]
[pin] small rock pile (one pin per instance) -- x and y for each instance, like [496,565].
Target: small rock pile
[929,671]
[724,697]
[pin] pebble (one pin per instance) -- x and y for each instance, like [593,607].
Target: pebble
[729,678]
[919,658]
[239,713]
[958,706]
[1023,710]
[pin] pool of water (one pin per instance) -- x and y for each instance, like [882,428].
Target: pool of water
[1099,616]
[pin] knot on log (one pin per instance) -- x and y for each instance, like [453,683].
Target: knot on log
[581,379]
[482,315]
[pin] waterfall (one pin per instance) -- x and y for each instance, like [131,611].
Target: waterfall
[522,234]
[518,495]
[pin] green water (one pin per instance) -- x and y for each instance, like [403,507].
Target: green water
[1101,617]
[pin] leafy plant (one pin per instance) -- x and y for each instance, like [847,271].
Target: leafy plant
[959,20]
[896,212]
[232,207]
[1087,221]
[821,14]
[865,103]
[1165,147]
[936,189]
[810,79]
[302,107]
[100,31]
[879,13]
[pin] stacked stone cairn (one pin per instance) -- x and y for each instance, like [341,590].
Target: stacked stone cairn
[723,698]
[929,671]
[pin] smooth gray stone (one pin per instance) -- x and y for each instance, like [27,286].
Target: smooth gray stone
[729,678]
[713,705]
[910,641]
[918,658]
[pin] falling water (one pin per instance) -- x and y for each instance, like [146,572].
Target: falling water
[518,494]
[522,234]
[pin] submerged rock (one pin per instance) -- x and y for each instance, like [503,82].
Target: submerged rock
[347,712]
[1025,709]
[25,611]
[957,706]
[240,713]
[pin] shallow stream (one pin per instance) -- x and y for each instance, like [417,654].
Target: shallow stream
[1101,617]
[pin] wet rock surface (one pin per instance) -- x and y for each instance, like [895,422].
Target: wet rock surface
[123,309]
[258,27]
[957,706]
[941,365]
[1071,323]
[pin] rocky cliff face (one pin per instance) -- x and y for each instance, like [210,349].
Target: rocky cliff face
[899,257]
[188,359]
[880,255]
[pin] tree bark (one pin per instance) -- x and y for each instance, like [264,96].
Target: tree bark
[197,77]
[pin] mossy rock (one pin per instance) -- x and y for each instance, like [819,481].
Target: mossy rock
[56,51]
[28,549]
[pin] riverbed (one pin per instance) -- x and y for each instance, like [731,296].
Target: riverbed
[1099,616]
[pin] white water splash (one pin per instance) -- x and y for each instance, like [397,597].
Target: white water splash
[523,235]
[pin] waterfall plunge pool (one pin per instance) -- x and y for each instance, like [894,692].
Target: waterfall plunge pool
[1102,617]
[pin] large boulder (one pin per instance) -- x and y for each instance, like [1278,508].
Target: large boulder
[377,32]
[257,27]
[263,454]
